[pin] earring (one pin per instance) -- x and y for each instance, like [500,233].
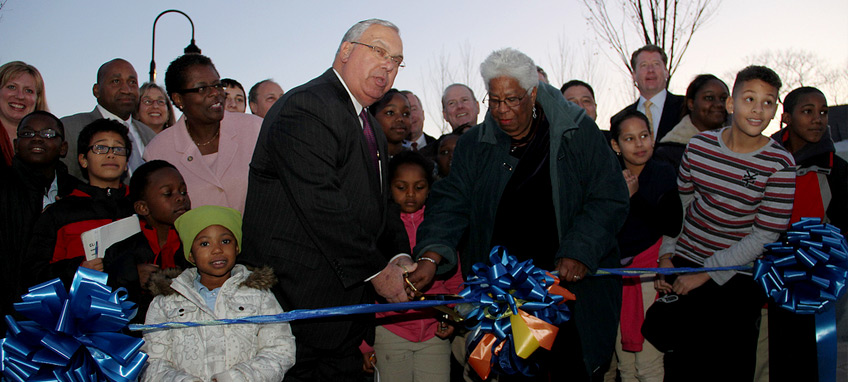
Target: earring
[534,112]
[618,153]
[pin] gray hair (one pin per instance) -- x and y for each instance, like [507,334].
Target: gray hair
[445,93]
[356,31]
[511,63]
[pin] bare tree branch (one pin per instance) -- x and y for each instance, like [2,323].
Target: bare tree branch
[670,24]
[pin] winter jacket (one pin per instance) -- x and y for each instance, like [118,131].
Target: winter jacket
[590,202]
[122,258]
[56,248]
[21,201]
[821,183]
[670,148]
[238,352]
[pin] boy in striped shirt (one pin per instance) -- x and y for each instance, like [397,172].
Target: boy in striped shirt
[737,187]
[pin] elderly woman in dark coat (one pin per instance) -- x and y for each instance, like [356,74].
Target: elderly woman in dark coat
[538,178]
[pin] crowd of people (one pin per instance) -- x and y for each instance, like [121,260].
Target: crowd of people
[331,194]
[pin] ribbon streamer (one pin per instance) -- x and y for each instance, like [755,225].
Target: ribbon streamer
[805,273]
[73,336]
[517,307]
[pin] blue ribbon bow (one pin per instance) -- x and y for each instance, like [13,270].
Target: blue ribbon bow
[73,336]
[805,273]
[498,291]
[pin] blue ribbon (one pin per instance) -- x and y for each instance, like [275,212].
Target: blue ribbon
[805,273]
[498,291]
[73,336]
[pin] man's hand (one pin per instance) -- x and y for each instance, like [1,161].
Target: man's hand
[423,277]
[368,362]
[571,270]
[390,284]
[96,264]
[444,330]
[687,283]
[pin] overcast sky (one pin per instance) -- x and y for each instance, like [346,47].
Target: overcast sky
[294,41]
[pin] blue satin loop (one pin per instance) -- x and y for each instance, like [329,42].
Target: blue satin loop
[805,274]
[73,335]
[497,291]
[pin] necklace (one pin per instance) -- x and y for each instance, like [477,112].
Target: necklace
[218,131]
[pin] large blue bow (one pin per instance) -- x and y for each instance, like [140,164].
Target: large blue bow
[805,274]
[73,336]
[506,294]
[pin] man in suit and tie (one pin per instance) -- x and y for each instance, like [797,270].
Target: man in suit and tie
[418,139]
[116,92]
[317,199]
[649,66]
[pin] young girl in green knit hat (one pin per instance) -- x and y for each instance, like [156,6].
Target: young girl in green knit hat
[217,288]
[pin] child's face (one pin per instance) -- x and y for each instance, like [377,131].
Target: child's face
[635,143]
[444,157]
[214,252]
[394,118]
[165,197]
[104,169]
[809,119]
[409,187]
[753,105]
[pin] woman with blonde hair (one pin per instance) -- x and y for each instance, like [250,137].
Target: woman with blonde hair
[21,93]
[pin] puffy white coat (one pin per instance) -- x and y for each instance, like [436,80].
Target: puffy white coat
[237,352]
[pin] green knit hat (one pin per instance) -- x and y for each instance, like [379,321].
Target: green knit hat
[197,219]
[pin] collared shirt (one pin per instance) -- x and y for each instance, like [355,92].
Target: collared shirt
[658,101]
[208,295]
[50,197]
[356,105]
[138,146]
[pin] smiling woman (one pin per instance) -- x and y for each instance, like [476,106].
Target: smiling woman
[21,93]
[211,147]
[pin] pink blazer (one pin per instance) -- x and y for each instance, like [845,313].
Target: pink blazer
[225,182]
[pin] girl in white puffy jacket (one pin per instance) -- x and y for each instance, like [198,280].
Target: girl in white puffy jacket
[217,288]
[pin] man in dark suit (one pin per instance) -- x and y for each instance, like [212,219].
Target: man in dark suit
[116,91]
[649,66]
[317,200]
[417,139]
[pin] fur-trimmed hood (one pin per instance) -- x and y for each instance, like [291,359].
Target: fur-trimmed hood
[256,278]
[682,132]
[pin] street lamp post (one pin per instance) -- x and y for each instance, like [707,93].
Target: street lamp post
[191,48]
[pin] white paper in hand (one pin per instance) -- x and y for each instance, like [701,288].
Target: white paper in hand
[97,240]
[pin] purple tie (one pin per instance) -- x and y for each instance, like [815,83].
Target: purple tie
[372,141]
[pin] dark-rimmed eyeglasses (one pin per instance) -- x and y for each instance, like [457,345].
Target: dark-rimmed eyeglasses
[103,149]
[383,54]
[46,134]
[204,90]
[511,102]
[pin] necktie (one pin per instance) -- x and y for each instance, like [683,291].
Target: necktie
[371,140]
[648,114]
[414,146]
[135,160]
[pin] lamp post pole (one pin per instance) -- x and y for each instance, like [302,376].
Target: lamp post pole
[191,48]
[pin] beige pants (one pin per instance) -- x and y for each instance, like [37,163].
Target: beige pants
[643,366]
[399,359]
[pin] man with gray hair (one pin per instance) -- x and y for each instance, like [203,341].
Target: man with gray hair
[263,95]
[317,202]
[459,107]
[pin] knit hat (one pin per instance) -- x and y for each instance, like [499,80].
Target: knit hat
[197,219]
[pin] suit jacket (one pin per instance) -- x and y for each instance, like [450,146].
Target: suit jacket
[672,109]
[316,207]
[74,125]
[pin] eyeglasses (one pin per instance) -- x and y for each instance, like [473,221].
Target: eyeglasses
[103,149]
[159,102]
[511,102]
[46,134]
[204,90]
[383,54]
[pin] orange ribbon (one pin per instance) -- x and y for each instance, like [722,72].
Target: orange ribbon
[481,358]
